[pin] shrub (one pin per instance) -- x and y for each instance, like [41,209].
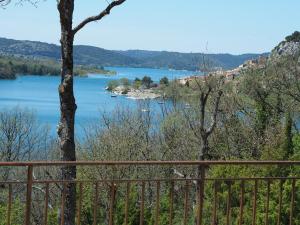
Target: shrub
[147,81]
[125,82]
[112,85]
[295,37]
[164,81]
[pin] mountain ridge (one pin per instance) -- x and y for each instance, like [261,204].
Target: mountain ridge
[91,55]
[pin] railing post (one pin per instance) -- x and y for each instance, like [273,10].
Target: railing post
[292,202]
[112,202]
[280,202]
[9,204]
[242,201]
[228,207]
[171,203]
[28,194]
[157,207]
[46,204]
[127,202]
[200,193]
[142,204]
[96,203]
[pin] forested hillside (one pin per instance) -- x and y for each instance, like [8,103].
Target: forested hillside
[89,55]
[10,66]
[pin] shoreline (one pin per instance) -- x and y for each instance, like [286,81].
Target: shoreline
[135,94]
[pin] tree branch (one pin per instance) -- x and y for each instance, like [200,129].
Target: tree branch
[215,113]
[99,16]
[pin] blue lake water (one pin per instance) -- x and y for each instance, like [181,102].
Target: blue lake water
[39,93]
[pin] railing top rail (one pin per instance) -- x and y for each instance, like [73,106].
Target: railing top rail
[146,163]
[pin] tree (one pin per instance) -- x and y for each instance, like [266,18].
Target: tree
[112,85]
[202,118]
[125,82]
[164,81]
[67,100]
[295,37]
[288,142]
[137,83]
[147,81]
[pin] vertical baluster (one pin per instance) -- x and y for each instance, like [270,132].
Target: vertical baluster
[280,202]
[186,202]
[228,209]
[214,212]
[157,203]
[254,203]
[292,202]
[200,193]
[242,202]
[9,204]
[171,203]
[79,204]
[46,204]
[267,203]
[127,202]
[96,199]
[142,204]
[28,194]
[112,203]
[63,199]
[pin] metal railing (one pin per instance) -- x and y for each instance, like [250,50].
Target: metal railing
[160,189]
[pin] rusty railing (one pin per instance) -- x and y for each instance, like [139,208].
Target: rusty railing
[159,192]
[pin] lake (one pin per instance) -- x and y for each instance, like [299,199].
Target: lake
[39,93]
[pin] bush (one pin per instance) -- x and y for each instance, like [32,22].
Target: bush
[147,81]
[112,85]
[295,37]
[137,83]
[125,82]
[164,81]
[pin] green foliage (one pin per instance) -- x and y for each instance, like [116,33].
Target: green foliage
[288,141]
[296,147]
[295,37]
[164,81]
[12,66]
[137,83]
[112,85]
[261,118]
[16,209]
[147,81]
[133,207]
[125,82]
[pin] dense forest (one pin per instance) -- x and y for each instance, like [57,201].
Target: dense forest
[252,117]
[10,66]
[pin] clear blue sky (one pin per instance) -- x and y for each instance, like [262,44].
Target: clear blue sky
[225,26]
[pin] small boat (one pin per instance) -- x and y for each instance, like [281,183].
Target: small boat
[145,110]
[161,103]
[113,96]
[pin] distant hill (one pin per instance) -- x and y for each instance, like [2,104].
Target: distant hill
[189,61]
[11,66]
[89,55]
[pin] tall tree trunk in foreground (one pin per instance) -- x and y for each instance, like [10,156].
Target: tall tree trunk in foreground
[67,109]
[67,101]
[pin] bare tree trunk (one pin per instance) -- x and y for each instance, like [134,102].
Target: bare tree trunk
[67,109]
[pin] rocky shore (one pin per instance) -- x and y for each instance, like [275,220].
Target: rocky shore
[137,94]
